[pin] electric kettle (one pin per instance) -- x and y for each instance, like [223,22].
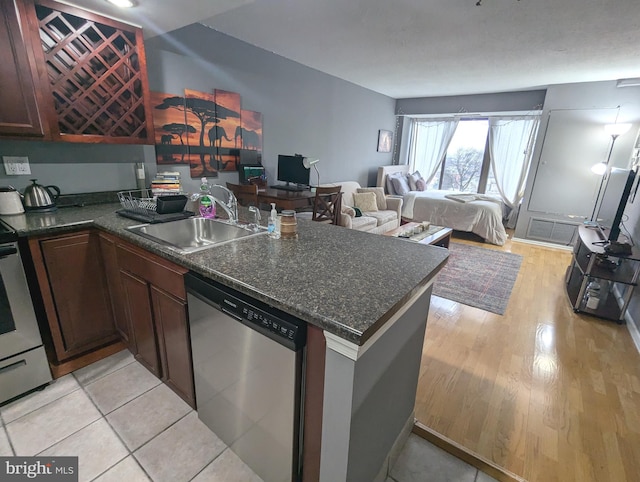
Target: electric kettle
[10,202]
[40,198]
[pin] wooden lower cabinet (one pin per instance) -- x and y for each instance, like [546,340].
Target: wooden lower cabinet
[70,275]
[142,321]
[174,343]
[156,304]
[109,253]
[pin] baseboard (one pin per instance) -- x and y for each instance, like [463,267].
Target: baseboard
[542,244]
[633,330]
[464,454]
[60,369]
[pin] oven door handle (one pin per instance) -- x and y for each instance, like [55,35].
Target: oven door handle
[7,251]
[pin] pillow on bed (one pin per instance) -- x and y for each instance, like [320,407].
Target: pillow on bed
[390,188]
[413,179]
[400,185]
[421,185]
[365,201]
[381,200]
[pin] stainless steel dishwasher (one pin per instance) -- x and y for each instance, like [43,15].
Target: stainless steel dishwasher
[248,361]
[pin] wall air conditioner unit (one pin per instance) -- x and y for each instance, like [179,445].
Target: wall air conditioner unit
[635,82]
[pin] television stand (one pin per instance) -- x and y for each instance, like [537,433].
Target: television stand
[290,187]
[616,275]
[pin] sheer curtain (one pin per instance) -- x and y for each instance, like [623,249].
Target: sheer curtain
[430,140]
[511,141]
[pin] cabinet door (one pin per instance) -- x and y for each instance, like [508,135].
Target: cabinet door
[140,313]
[175,345]
[19,115]
[97,75]
[82,308]
[117,295]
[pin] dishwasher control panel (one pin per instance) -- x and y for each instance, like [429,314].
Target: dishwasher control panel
[270,321]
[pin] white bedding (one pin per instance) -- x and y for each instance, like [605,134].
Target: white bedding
[482,216]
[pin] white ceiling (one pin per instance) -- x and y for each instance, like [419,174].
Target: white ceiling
[422,48]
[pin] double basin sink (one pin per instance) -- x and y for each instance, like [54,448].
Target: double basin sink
[195,234]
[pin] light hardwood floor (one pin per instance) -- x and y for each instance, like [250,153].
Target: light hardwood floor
[541,391]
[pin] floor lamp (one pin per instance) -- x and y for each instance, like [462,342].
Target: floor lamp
[312,162]
[602,168]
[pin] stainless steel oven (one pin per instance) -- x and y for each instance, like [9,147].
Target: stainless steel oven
[23,361]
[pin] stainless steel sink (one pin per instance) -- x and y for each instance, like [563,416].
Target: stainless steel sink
[194,234]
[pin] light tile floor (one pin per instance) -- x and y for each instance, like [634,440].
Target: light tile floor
[125,425]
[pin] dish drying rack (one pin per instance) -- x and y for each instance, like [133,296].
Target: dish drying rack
[140,204]
[140,201]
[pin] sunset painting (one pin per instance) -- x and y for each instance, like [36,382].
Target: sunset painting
[251,122]
[227,130]
[170,130]
[208,131]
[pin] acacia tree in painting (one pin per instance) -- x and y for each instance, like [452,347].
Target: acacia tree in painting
[206,111]
[179,129]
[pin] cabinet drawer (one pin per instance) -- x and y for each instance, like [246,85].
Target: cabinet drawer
[157,271]
[23,372]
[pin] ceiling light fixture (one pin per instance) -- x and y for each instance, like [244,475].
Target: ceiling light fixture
[122,3]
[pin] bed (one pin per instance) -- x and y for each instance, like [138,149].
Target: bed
[481,215]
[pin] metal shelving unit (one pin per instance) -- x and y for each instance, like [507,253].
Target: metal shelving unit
[617,275]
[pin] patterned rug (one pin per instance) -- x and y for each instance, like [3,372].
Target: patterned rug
[478,277]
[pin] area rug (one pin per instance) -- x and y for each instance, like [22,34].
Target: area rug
[478,277]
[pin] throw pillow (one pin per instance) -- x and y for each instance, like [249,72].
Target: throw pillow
[348,210]
[389,186]
[421,185]
[389,182]
[381,200]
[400,185]
[365,201]
[413,179]
[358,212]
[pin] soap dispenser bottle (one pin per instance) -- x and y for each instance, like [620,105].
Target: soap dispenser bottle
[207,205]
[272,225]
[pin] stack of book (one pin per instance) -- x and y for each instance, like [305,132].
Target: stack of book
[166,183]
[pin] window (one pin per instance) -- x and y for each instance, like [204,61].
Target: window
[487,155]
[466,167]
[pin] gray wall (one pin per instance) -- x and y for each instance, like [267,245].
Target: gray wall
[560,187]
[304,111]
[78,168]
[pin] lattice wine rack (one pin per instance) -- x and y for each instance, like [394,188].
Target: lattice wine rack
[95,73]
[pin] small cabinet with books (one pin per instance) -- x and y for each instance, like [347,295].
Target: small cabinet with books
[598,282]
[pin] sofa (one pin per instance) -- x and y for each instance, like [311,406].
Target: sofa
[383,217]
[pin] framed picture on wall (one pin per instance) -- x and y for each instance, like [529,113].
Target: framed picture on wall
[385,139]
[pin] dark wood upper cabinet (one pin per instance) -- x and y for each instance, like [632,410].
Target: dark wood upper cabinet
[20,99]
[72,75]
[96,68]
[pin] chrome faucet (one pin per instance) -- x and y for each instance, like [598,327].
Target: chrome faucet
[230,207]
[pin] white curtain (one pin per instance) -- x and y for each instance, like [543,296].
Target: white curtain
[430,140]
[511,141]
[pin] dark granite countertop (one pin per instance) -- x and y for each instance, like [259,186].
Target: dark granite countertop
[344,281]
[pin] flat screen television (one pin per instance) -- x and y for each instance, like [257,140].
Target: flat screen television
[614,201]
[292,171]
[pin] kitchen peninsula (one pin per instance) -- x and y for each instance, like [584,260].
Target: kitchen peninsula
[365,302]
